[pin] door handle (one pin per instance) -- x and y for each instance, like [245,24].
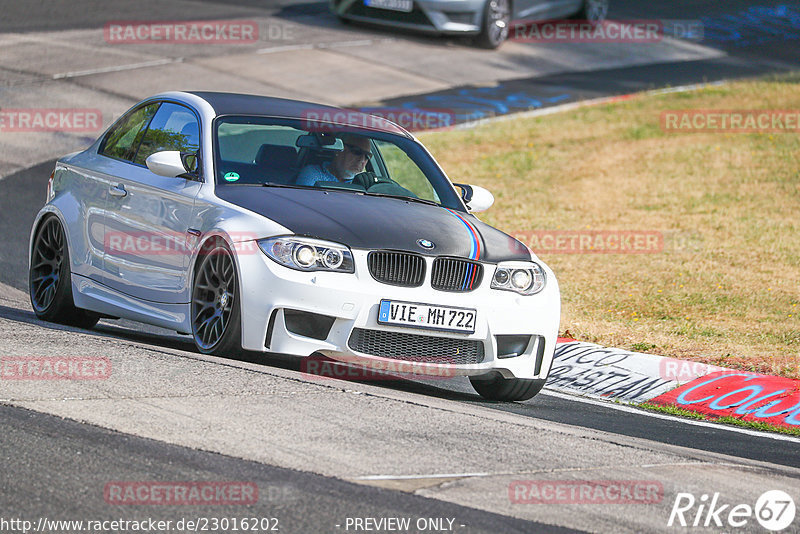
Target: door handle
[117,191]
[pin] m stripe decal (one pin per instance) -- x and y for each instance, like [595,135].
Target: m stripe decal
[475,245]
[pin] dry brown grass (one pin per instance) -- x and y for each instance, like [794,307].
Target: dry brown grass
[726,287]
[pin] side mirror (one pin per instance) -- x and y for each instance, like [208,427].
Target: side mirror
[476,197]
[191,163]
[173,164]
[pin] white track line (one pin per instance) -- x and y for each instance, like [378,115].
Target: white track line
[325,46]
[116,68]
[543,471]
[285,48]
[639,411]
[413,477]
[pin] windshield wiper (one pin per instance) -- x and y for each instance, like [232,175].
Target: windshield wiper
[288,186]
[403,197]
[313,188]
[349,190]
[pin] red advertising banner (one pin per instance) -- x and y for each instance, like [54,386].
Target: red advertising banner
[747,396]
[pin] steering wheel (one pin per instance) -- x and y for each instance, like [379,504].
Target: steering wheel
[381,185]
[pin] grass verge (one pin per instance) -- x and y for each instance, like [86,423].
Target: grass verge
[725,287]
[727,420]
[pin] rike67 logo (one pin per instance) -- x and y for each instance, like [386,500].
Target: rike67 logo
[774,510]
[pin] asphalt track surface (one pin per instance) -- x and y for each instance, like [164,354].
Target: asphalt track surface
[35,446]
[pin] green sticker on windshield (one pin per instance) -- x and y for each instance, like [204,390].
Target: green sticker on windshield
[231,176]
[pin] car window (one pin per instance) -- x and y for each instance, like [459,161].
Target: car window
[401,169]
[240,143]
[174,127]
[123,139]
[295,153]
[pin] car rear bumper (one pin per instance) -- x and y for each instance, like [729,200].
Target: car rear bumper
[451,17]
[335,314]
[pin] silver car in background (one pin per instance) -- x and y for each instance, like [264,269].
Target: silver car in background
[487,20]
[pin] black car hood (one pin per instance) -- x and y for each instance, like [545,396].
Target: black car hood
[370,222]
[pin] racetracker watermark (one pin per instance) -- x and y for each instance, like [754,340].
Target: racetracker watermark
[592,241]
[180,493]
[181,32]
[54,368]
[585,492]
[121,243]
[608,31]
[684,370]
[327,120]
[351,368]
[584,31]
[50,120]
[731,121]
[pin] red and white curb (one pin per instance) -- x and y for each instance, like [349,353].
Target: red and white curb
[618,374]
[633,377]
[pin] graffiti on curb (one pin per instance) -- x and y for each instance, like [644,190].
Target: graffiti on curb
[748,396]
[599,371]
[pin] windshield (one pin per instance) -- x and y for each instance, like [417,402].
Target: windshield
[288,153]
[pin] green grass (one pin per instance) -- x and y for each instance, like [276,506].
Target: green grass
[405,172]
[726,420]
[671,410]
[755,425]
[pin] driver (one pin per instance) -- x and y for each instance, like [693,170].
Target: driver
[343,167]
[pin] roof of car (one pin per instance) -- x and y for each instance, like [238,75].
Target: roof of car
[241,104]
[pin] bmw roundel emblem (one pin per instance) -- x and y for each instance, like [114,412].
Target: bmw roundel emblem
[424,243]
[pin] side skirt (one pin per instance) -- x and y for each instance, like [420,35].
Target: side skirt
[94,296]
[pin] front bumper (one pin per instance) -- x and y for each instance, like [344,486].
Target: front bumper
[271,292]
[452,17]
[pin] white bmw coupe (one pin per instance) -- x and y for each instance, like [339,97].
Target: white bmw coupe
[250,223]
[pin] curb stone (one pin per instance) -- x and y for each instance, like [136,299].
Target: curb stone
[633,377]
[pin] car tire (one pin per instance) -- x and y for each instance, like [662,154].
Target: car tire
[495,24]
[215,308]
[50,278]
[495,387]
[594,11]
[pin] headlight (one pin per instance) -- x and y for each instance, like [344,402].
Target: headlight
[306,254]
[523,278]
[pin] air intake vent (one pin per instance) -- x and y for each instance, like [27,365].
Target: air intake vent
[397,268]
[452,274]
[416,348]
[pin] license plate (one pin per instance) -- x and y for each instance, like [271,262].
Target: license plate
[397,313]
[394,5]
